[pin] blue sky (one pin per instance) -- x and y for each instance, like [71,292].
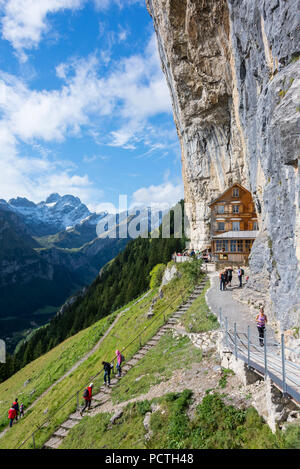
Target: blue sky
[84,105]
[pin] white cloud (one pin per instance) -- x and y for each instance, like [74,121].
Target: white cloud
[24,22]
[163,196]
[105,4]
[134,91]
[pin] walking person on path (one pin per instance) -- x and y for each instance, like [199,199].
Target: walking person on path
[120,360]
[11,415]
[261,320]
[16,407]
[223,281]
[21,410]
[240,273]
[107,369]
[87,396]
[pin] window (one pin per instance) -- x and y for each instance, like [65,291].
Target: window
[220,209]
[248,245]
[233,246]
[235,209]
[255,225]
[235,192]
[235,226]
[222,245]
[240,245]
[221,226]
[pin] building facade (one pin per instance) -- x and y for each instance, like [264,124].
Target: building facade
[234,225]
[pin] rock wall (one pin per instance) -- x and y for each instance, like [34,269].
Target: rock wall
[233,72]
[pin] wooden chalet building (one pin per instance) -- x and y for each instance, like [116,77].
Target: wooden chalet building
[234,225]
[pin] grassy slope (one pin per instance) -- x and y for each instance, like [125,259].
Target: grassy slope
[48,368]
[214,426]
[199,318]
[133,322]
[168,355]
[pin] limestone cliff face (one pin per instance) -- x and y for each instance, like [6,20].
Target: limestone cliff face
[233,72]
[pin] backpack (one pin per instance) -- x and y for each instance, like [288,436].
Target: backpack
[122,358]
[242,271]
[86,393]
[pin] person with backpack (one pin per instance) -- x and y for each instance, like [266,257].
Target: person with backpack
[16,407]
[87,396]
[120,359]
[11,415]
[261,320]
[107,369]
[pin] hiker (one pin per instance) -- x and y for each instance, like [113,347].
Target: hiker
[229,276]
[11,415]
[222,280]
[16,407]
[120,360]
[87,396]
[240,273]
[107,369]
[261,320]
[21,410]
[226,278]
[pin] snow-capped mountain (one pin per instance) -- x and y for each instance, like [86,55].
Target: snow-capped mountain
[55,214]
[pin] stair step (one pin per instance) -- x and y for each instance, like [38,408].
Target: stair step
[61,432]
[139,356]
[53,443]
[114,381]
[133,362]
[100,396]
[69,423]
[75,416]
[143,351]
[105,390]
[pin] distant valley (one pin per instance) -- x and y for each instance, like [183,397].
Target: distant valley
[48,251]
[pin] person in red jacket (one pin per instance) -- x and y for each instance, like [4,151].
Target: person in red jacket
[87,396]
[12,413]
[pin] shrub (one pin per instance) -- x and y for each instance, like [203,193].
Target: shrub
[156,275]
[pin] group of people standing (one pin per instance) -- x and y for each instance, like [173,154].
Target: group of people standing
[107,368]
[226,278]
[15,411]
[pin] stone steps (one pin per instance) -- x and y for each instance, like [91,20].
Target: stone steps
[68,424]
[53,443]
[61,433]
[75,416]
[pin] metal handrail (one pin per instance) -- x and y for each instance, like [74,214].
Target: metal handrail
[39,426]
[264,360]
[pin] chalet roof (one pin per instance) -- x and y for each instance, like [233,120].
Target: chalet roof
[246,234]
[229,188]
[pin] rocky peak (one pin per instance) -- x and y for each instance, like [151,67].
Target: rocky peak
[21,202]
